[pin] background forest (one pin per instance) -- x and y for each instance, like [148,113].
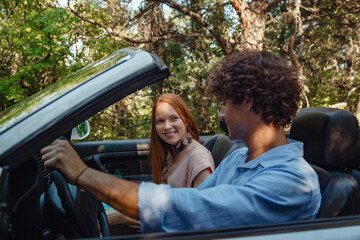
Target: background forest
[42,41]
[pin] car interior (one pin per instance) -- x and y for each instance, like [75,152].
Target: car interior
[331,146]
[331,143]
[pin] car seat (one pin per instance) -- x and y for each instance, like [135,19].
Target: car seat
[220,146]
[330,138]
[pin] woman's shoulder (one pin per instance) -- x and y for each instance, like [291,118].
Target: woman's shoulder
[201,158]
[200,153]
[199,149]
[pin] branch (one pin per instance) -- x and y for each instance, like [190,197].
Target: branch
[295,22]
[140,14]
[150,40]
[131,40]
[215,7]
[312,10]
[270,4]
[191,14]
[91,21]
[10,10]
[243,18]
[188,12]
[236,5]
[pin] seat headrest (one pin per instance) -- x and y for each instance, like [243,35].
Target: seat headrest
[330,137]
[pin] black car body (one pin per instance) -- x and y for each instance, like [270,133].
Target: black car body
[30,207]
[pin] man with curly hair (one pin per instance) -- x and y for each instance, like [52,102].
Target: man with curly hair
[259,89]
[267,182]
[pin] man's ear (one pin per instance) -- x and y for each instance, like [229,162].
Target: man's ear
[249,103]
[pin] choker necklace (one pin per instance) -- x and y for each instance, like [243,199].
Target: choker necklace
[183,144]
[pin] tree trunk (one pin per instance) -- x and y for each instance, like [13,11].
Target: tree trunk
[357,114]
[253,18]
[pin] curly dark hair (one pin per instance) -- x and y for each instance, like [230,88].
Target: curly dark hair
[270,80]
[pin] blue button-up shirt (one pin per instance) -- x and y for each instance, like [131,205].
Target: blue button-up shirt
[277,186]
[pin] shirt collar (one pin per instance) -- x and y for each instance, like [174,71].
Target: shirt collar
[274,156]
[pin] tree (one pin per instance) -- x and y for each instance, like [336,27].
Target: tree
[320,37]
[32,49]
[40,45]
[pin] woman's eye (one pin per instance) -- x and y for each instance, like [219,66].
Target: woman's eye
[174,118]
[159,121]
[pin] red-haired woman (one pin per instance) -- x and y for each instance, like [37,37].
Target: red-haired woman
[178,159]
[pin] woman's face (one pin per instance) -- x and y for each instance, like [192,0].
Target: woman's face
[169,125]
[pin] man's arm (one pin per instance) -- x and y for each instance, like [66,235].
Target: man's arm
[276,195]
[118,193]
[201,177]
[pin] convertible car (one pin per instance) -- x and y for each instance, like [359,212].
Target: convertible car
[37,204]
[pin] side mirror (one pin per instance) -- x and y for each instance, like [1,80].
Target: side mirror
[81,131]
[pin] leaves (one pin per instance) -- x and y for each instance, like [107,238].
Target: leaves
[42,41]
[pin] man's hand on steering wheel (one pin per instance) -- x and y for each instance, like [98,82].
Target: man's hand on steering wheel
[60,155]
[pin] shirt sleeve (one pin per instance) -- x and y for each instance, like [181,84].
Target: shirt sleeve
[199,161]
[153,202]
[273,196]
[210,181]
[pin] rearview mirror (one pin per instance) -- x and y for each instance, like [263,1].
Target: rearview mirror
[81,131]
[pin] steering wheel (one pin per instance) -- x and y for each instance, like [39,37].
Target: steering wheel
[72,211]
[87,220]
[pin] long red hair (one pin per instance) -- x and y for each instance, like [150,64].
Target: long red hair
[158,147]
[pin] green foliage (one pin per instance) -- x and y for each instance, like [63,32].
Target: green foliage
[34,50]
[41,45]
[42,42]
[327,48]
[329,59]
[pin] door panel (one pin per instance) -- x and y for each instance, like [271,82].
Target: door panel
[128,159]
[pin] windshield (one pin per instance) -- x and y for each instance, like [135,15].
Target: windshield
[21,110]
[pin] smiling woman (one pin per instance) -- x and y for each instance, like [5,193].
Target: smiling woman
[169,125]
[178,159]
